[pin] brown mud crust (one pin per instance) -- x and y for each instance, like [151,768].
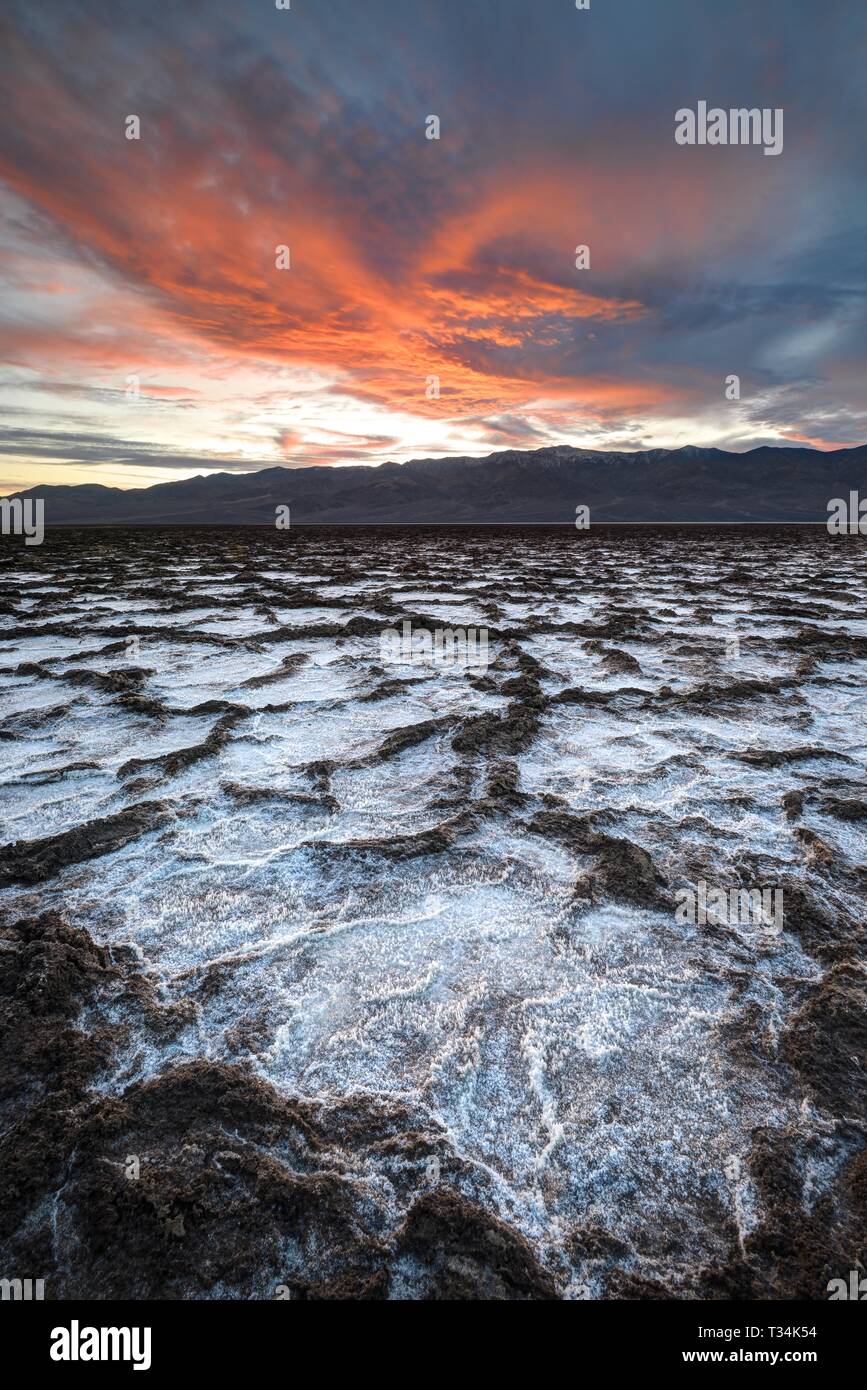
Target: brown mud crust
[31,861]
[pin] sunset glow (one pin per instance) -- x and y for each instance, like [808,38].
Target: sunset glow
[414,259]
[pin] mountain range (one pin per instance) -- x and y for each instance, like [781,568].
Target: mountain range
[540,485]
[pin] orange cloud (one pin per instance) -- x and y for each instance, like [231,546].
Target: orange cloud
[478,289]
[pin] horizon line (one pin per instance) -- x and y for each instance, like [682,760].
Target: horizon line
[442,458]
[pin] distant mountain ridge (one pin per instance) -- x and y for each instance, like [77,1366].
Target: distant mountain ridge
[541,485]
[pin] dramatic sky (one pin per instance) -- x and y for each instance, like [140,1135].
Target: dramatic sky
[411,258]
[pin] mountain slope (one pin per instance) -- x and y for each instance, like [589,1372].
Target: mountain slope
[542,485]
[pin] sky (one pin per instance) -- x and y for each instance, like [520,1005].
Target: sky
[432,304]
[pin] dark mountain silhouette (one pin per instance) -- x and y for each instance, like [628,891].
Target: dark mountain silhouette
[541,485]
